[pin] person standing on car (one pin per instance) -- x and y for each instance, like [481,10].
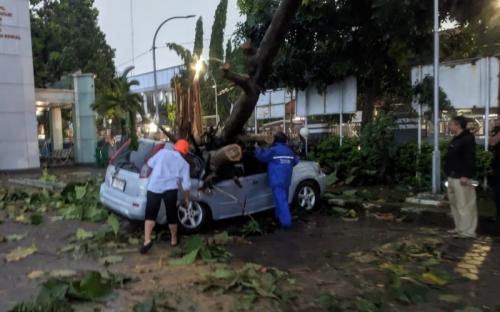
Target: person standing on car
[459,169]
[169,171]
[495,145]
[281,160]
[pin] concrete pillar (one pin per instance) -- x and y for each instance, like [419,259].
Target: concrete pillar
[56,129]
[18,133]
[84,128]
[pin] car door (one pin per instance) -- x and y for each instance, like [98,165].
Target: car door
[226,198]
[258,194]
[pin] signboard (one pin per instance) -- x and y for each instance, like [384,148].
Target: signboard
[10,32]
[338,97]
[467,84]
[271,104]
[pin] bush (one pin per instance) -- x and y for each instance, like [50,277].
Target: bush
[340,161]
[363,161]
[379,160]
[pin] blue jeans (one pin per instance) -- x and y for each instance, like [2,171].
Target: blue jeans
[282,211]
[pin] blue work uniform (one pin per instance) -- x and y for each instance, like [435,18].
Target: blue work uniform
[281,160]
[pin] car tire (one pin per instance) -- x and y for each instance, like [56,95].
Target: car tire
[194,218]
[307,196]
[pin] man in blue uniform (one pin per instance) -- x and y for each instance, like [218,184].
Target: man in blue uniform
[281,160]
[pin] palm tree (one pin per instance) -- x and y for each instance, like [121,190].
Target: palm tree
[119,102]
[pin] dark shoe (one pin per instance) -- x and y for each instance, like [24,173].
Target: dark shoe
[145,248]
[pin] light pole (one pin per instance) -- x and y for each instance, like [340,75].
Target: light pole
[436,155]
[216,100]
[155,95]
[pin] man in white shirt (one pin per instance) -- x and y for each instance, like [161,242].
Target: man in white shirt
[169,171]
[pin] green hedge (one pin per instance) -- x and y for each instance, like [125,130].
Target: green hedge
[376,159]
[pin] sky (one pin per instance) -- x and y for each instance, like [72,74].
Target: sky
[115,21]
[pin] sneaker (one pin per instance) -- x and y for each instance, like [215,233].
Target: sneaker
[145,248]
[465,236]
[454,231]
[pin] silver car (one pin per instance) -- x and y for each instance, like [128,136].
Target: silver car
[125,187]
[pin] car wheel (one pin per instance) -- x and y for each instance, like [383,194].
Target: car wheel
[193,218]
[306,196]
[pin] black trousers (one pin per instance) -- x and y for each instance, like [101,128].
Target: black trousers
[496,190]
[153,206]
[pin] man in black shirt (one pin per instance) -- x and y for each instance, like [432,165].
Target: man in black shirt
[495,144]
[459,169]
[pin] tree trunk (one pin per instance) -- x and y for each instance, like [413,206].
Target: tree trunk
[368,105]
[196,120]
[259,67]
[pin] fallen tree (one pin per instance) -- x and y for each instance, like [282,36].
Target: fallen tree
[219,147]
[259,67]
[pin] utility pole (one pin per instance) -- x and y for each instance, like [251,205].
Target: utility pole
[436,155]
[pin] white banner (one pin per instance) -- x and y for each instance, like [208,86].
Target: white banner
[340,96]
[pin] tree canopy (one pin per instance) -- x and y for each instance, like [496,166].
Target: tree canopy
[198,38]
[66,38]
[376,40]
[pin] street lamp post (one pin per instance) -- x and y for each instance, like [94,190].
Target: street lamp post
[155,95]
[436,157]
[216,100]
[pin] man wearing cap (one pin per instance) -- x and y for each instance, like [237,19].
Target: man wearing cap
[169,170]
[281,160]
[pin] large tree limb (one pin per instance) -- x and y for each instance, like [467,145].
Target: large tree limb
[242,81]
[261,66]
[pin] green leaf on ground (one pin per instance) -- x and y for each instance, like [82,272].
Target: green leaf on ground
[20,253]
[450,298]
[13,237]
[252,279]
[23,218]
[52,290]
[82,234]
[187,259]
[114,223]
[92,286]
[62,273]
[36,274]
[220,239]
[133,241]
[80,191]
[109,260]
[433,278]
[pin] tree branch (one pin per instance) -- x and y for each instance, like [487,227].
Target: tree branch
[274,37]
[259,67]
[243,81]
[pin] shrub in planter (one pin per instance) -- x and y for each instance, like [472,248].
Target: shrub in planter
[341,162]
[378,149]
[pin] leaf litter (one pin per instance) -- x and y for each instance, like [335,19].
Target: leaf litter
[58,293]
[206,249]
[20,253]
[253,281]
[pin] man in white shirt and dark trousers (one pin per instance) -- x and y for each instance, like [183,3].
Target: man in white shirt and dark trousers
[169,170]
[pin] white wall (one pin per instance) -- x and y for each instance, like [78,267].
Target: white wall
[18,139]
